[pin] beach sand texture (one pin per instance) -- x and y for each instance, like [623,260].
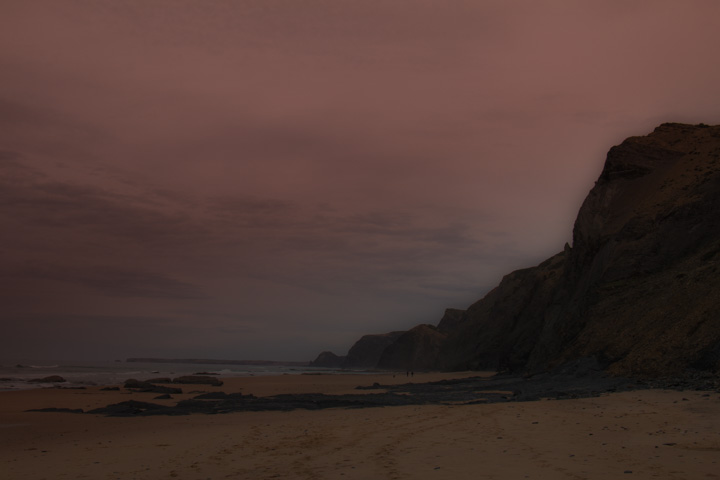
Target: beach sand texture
[642,434]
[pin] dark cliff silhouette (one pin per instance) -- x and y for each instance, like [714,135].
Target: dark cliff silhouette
[638,291]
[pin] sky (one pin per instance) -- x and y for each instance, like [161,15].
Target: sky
[270,179]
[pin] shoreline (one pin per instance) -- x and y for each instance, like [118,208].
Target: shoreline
[77,375]
[654,433]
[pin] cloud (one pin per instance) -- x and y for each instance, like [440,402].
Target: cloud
[86,210]
[13,172]
[241,236]
[110,281]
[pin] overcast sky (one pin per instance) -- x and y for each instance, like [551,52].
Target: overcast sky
[269,179]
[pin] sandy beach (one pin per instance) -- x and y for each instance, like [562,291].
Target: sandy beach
[639,434]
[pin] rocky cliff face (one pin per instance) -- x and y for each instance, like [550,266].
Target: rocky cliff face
[641,286]
[366,352]
[638,289]
[450,320]
[416,349]
[501,330]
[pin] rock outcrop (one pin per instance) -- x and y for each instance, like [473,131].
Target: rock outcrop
[416,349]
[328,360]
[500,331]
[638,290]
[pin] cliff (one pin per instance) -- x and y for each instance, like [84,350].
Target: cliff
[366,352]
[638,293]
[416,349]
[641,284]
[499,331]
[639,288]
[450,320]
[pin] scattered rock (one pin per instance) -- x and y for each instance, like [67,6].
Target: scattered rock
[50,379]
[147,387]
[130,408]
[54,409]
[374,386]
[458,391]
[218,396]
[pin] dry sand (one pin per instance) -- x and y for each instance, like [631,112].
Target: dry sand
[636,435]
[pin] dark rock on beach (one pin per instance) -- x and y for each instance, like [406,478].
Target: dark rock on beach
[248,403]
[50,379]
[220,396]
[132,383]
[130,408]
[56,410]
[468,391]
[580,380]
[147,387]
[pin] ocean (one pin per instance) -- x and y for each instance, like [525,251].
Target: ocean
[16,375]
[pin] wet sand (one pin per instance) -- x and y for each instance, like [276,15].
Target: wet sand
[638,434]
